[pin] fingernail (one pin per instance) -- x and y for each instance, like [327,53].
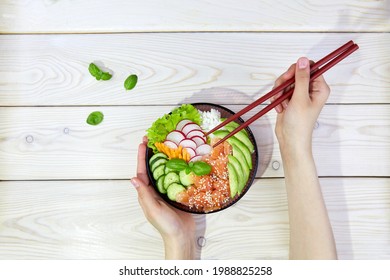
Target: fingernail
[277,108]
[303,63]
[145,139]
[284,104]
[134,183]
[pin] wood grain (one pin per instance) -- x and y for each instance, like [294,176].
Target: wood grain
[186,15]
[222,68]
[38,143]
[66,193]
[102,220]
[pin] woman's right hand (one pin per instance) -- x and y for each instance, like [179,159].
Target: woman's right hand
[297,116]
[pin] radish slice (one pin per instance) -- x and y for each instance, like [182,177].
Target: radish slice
[203,150]
[191,152]
[175,136]
[170,144]
[190,127]
[195,158]
[195,132]
[188,143]
[198,140]
[182,123]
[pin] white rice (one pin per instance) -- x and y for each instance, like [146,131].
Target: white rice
[210,119]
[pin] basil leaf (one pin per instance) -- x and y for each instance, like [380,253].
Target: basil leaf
[97,73]
[95,118]
[177,164]
[201,168]
[130,82]
[188,170]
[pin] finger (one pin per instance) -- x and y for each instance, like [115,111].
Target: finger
[278,108]
[282,78]
[320,80]
[302,79]
[141,164]
[285,76]
[290,72]
[284,104]
[145,140]
[147,197]
[320,90]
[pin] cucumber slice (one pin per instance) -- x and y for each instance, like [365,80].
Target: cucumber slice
[174,189]
[159,171]
[160,184]
[157,162]
[170,178]
[167,170]
[185,179]
[156,156]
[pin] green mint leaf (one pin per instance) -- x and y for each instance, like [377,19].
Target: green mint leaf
[201,168]
[177,164]
[97,73]
[188,170]
[95,118]
[106,76]
[94,70]
[130,82]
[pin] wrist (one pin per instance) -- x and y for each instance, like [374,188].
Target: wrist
[296,153]
[179,247]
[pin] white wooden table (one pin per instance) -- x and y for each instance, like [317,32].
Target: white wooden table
[64,189]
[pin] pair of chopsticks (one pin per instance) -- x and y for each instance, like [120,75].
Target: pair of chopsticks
[315,71]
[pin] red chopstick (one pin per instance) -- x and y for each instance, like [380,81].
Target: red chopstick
[332,59]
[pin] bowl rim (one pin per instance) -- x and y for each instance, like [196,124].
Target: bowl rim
[255,161]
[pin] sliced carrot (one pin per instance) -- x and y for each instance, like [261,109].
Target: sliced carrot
[173,153]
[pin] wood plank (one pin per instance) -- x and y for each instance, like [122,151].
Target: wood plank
[102,220]
[38,143]
[222,68]
[186,15]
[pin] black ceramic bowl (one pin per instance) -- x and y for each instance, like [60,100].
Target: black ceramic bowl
[225,113]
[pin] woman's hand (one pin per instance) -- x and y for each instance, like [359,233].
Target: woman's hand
[311,235]
[297,117]
[176,227]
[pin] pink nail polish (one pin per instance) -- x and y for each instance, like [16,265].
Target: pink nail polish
[134,183]
[303,63]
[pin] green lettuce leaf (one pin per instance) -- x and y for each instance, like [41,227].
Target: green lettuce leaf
[161,127]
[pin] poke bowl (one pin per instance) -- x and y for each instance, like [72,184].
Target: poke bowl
[188,171]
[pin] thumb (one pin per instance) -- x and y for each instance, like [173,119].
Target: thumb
[302,79]
[147,197]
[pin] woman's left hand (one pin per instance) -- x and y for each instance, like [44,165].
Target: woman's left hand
[176,227]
